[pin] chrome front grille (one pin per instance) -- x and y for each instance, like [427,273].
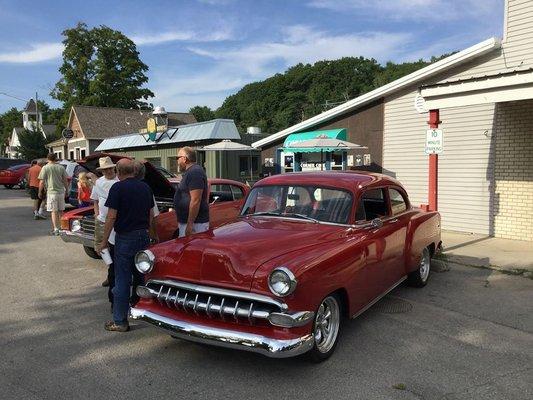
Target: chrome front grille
[211,302]
[87,225]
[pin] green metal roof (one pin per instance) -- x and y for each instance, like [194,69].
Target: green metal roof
[294,138]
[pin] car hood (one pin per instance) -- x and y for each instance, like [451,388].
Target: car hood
[228,256]
[160,185]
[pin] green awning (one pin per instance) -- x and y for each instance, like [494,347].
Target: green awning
[294,138]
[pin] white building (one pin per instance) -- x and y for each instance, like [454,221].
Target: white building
[32,119]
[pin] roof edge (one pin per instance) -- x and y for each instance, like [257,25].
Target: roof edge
[430,70]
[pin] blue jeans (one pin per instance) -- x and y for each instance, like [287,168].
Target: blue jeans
[126,246]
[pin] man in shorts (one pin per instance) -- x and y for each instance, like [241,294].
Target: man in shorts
[54,177]
[33,181]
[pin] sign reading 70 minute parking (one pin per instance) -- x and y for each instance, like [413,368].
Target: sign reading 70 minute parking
[434,141]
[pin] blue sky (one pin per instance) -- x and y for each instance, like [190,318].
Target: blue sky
[200,51]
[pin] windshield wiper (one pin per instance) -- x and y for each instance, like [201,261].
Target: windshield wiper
[268,213]
[302,216]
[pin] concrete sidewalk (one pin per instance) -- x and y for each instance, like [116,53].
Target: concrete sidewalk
[510,256]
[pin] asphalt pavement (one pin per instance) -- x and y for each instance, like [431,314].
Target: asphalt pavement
[467,335]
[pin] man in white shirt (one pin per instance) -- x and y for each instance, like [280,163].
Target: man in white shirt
[99,195]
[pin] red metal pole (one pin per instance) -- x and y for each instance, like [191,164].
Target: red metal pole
[433,186]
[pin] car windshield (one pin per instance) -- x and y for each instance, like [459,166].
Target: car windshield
[17,167]
[310,203]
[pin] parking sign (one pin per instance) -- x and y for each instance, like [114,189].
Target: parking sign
[434,141]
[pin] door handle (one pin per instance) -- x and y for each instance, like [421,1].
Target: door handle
[393,220]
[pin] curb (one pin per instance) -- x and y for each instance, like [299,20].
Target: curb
[443,258]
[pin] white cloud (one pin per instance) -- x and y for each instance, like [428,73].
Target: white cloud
[413,9]
[182,36]
[38,52]
[303,44]
[232,68]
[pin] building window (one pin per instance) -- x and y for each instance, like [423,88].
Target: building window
[71,155]
[155,161]
[173,165]
[82,153]
[244,164]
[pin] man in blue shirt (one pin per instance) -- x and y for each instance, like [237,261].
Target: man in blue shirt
[190,200]
[130,213]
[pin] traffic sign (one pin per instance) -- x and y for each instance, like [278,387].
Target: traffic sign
[434,141]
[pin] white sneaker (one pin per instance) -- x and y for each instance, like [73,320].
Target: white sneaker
[40,215]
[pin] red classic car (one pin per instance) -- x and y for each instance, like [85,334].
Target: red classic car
[15,175]
[226,198]
[308,249]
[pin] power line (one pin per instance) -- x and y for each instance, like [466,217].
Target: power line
[15,97]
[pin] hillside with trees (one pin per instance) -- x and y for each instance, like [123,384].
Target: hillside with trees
[306,90]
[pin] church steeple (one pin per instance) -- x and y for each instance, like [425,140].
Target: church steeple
[32,118]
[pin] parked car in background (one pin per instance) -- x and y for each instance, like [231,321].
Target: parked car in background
[14,176]
[226,198]
[5,163]
[307,250]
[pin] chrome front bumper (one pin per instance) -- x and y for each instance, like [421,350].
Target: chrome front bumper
[227,338]
[77,237]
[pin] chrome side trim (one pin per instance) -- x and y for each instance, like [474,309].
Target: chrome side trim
[77,237]
[209,290]
[358,313]
[227,338]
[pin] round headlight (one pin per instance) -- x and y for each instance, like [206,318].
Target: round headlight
[281,282]
[75,226]
[144,261]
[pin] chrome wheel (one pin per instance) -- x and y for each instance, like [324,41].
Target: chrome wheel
[425,265]
[327,323]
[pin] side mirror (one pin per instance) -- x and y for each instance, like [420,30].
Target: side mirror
[376,223]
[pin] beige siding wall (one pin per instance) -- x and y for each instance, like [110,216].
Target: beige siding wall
[513,172]
[465,167]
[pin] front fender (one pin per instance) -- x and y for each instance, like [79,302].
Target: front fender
[319,271]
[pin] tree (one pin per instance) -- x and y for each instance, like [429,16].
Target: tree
[202,113]
[305,90]
[9,120]
[76,70]
[101,67]
[32,145]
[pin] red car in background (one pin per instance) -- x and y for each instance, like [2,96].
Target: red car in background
[226,198]
[14,176]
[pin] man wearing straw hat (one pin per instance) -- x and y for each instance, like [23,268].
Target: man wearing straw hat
[99,196]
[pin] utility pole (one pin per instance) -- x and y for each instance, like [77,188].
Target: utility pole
[36,112]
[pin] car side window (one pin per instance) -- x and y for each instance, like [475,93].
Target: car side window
[372,205]
[237,192]
[397,202]
[220,193]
